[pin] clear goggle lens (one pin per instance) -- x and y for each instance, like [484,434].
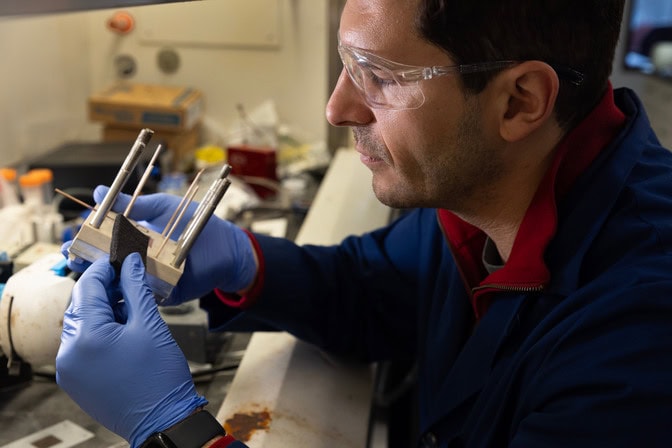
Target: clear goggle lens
[381,87]
[390,85]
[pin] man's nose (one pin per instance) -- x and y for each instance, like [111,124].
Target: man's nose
[346,106]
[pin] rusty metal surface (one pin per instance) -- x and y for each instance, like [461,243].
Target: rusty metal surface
[313,400]
[242,425]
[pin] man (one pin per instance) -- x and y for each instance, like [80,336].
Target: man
[532,282]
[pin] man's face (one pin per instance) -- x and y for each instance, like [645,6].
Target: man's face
[433,156]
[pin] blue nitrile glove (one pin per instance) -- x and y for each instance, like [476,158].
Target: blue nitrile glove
[221,257]
[77,264]
[130,376]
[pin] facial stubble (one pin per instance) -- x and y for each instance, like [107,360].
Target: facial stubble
[458,177]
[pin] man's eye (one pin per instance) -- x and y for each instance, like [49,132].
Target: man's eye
[380,77]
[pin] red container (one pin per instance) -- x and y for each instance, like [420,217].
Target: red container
[254,162]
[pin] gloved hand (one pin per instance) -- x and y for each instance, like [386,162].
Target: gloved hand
[221,257]
[129,375]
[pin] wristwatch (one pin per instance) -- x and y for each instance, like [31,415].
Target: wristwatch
[192,432]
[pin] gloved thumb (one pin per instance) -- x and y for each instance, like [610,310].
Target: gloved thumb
[140,303]
[99,193]
[90,294]
[146,208]
[120,203]
[75,264]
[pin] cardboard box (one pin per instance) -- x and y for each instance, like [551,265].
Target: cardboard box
[180,144]
[147,105]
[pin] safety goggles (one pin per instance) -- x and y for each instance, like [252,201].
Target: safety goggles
[390,85]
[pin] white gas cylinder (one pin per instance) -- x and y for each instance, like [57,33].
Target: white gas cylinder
[32,306]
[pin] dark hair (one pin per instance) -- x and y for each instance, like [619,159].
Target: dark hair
[575,34]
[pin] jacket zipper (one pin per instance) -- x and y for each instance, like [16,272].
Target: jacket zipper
[507,288]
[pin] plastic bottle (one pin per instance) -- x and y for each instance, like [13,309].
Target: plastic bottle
[8,194]
[46,177]
[16,229]
[31,186]
[36,188]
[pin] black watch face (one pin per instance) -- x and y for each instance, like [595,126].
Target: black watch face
[158,441]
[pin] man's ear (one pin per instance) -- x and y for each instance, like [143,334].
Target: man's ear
[529,91]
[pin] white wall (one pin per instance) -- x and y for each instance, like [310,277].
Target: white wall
[294,75]
[44,81]
[51,64]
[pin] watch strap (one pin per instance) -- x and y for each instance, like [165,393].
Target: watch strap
[192,432]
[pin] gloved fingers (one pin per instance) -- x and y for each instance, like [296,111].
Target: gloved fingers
[90,299]
[157,209]
[77,264]
[138,297]
[154,209]
[99,193]
[119,204]
[122,201]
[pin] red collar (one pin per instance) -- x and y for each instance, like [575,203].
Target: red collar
[525,267]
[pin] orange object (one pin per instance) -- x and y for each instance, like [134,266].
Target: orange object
[121,22]
[30,179]
[45,174]
[9,174]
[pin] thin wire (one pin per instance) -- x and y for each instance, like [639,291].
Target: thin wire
[73,199]
[179,217]
[144,178]
[184,198]
[77,201]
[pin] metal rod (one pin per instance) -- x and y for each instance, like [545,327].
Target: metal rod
[202,215]
[122,176]
[198,225]
[189,197]
[194,184]
[143,179]
[224,172]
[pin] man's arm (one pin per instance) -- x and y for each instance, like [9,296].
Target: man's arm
[369,284]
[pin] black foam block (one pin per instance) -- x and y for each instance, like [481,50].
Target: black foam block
[126,239]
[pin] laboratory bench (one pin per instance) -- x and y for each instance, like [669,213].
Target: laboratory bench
[270,389]
[37,413]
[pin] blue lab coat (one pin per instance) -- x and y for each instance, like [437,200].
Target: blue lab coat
[586,362]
